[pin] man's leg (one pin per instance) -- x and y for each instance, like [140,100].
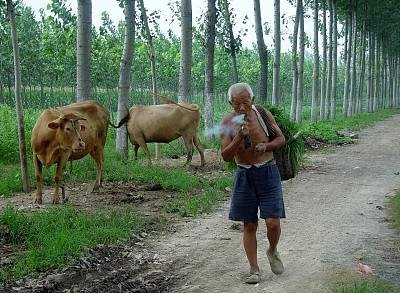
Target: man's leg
[250,245]
[273,233]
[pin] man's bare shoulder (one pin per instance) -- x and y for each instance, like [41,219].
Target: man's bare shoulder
[228,118]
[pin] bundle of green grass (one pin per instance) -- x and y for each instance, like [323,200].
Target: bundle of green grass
[290,156]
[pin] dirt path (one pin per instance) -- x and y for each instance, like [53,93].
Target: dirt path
[336,211]
[336,214]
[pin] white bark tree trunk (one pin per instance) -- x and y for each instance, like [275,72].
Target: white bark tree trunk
[324,63]
[329,75]
[335,60]
[83,44]
[349,29]
[276,97]
[370,71]
[262,52]
[185,72]
[300,84]
[360,104]
[18,99]
[353,84]
[209,68]
[152,56]
[125,76]
[295,68]
[314,99]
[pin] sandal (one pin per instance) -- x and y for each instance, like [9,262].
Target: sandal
[253,278]
[275,263]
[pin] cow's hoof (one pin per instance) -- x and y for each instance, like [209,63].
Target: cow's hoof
[38,201]
[56,201]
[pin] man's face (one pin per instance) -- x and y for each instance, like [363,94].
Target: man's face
[241,102]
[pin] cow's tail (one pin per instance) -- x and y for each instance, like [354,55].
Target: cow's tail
[122,122]
[169,101]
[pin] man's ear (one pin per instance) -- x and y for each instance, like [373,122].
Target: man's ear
[53,125]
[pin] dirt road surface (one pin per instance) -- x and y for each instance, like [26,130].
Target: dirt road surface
[336,217]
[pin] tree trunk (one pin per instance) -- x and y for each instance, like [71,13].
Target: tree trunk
[232,42]
[185,72]
[330,69]
[262,52]
[324,63]
[334,74]
[125,76]
[300,84]
[353,84]
[83,48]
[276,98]
[360,104]
[370,89]
[294,63]
[314,100]
[377,75]
[382,77]
[152,56]
[209,69]
[349,30]
[18,99]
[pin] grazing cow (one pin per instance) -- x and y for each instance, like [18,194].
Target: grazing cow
[65,134]
[164,123]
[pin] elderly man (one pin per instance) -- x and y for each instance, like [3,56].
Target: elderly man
[251,140]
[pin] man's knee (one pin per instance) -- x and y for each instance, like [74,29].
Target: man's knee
[273,223]
[250,227]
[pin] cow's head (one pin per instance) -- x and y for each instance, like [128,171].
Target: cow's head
[69,132]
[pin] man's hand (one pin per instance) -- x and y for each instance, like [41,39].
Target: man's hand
[243,130]
[260,148]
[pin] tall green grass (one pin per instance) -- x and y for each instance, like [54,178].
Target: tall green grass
[55,237]
[327,131]
[367,286]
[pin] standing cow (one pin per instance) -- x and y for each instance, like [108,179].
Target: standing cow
[65,134]
[164,123]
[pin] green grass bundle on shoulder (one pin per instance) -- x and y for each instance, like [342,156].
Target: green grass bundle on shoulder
[290,156]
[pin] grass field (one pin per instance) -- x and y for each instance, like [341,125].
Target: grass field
[53,238]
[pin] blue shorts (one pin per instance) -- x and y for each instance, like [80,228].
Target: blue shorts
[257,188]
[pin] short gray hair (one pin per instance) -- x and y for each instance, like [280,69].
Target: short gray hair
[239,87]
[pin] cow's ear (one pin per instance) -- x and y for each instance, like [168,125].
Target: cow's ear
[83,127]
[53,125]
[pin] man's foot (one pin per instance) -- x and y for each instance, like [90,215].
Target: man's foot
[253,278]
[275,262]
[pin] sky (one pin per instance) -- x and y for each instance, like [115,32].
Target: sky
[241,8]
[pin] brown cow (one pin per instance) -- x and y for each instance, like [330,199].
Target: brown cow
[65,134]
[164,123]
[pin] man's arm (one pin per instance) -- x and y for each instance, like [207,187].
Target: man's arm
[229,145]
[278,139]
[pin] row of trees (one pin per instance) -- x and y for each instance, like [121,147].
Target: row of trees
[100,58]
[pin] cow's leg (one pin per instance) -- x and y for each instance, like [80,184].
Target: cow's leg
[58,177]
[189,148]
[136,150]
[142,143]
[98,156]
[200,148]
[38,177]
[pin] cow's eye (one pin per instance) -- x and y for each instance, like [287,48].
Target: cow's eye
[68,129]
